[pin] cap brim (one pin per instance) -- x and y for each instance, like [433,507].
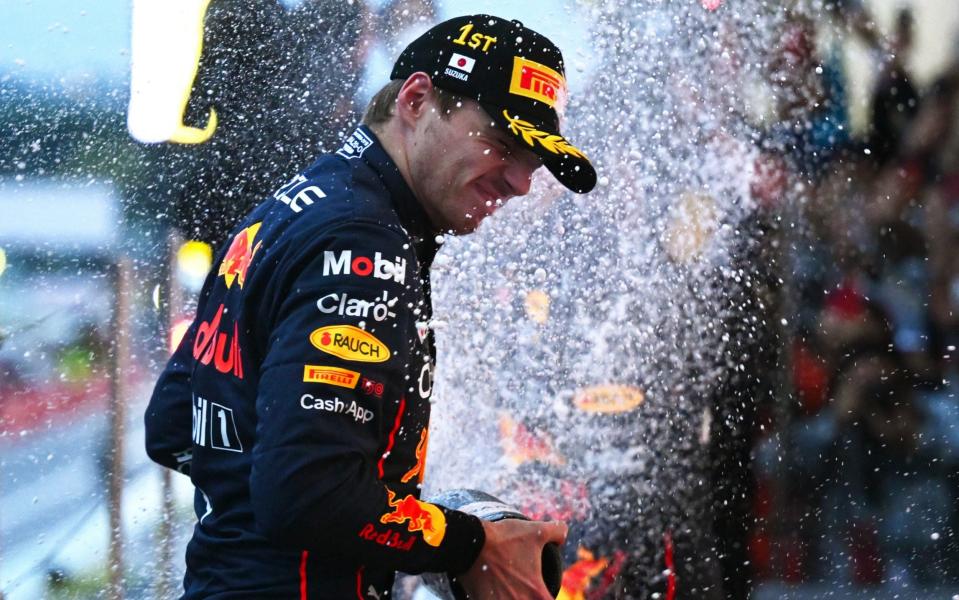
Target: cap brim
[568,164]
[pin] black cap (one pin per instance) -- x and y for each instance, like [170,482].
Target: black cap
[514,73]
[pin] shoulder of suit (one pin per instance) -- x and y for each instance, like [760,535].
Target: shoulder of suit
[334,197]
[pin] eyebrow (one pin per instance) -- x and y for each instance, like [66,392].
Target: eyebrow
[502,137]
[495,133]
[515,146]
[511,143]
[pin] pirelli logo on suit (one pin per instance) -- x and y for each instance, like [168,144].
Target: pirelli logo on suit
[331,375]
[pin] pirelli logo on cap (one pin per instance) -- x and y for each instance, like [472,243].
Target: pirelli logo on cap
[537,81]
[331,375]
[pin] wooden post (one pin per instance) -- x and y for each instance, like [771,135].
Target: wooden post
[171,299]
[122,278]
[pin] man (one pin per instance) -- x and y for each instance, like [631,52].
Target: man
[310,360]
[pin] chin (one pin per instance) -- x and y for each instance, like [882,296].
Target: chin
[468,224]
[466,227]
[471,223]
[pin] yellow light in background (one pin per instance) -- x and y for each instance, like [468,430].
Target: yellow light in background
[3,261]
[166,47]
[177,331]
[195,257]
[608,398]
[537,306]
[193,262]
[694,221]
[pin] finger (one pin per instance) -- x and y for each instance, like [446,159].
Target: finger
[543,593]
[554,531]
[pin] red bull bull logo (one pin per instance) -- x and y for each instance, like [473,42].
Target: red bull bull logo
[419,469]
[239,256]
[422,517]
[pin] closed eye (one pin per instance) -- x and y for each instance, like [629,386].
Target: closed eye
[497,144]
[510,149]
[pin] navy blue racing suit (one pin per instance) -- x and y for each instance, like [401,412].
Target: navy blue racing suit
[298,400]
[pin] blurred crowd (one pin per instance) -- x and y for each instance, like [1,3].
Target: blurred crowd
[856,475]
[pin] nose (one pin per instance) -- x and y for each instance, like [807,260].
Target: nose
[519,176]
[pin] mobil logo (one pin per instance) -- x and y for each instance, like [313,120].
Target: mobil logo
[220,348]
[349,343]
[344,305]
[344,263]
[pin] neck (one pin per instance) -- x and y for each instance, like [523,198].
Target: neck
[393,142]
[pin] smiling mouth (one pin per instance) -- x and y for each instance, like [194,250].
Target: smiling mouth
[486,195]
[490,198]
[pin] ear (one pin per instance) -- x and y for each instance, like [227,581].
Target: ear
[414,98]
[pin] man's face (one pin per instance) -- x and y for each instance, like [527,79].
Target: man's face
[463,167]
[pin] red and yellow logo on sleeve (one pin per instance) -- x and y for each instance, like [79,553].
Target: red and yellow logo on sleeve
[422,517]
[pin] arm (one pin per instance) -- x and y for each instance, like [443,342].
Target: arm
[315,481]
[510,564]
[169,415]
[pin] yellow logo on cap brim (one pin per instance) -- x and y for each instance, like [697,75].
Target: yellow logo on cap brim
[555,143]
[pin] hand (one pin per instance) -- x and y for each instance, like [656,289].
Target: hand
[510,564]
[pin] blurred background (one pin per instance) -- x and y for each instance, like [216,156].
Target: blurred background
[803,396]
